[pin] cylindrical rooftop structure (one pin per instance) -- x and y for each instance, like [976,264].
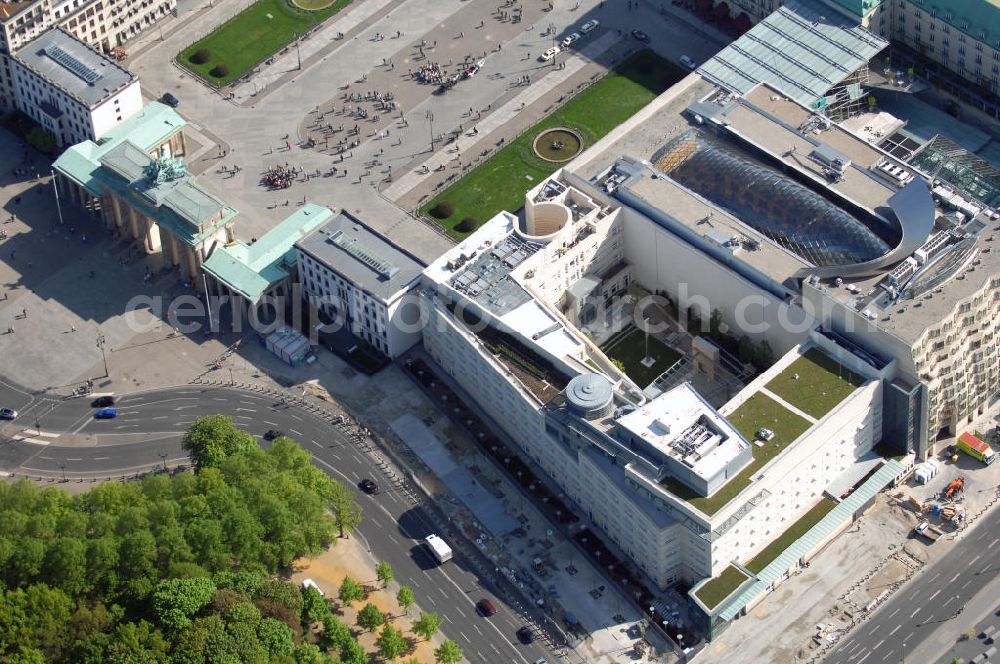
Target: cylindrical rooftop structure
[590,396]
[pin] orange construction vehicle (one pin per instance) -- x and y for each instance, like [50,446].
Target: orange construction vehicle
[954,487]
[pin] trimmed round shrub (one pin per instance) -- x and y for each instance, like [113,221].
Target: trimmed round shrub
[220,70]
[442,210]
[201,56]
[467,225]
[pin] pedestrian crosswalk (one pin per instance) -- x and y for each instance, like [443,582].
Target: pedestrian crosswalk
[34,437]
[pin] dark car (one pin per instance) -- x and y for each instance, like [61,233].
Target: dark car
[526,635]
[106,414]
[103,402]
[641,36]
[170,100]
[486,608]
[369,486]
[272,434]
[8,414]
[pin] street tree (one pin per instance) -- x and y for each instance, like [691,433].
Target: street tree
[369,617]
[351,591]
[353,653]
[176,600]
[405,599]
[427,625]
[391,643]
[384,573]
[448,653]
[346,513]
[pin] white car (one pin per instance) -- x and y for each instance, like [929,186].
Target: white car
[551,53]
[589,26]
[570,39]
[688,62]
[8,414]
[765,434]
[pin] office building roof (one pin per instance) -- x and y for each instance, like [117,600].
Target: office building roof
[363,256]
[251,269]
[9,9]
[803,49]
[67,63]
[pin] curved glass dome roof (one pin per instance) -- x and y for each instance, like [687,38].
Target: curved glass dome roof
[778,207]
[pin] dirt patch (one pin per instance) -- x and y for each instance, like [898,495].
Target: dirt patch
[348,558]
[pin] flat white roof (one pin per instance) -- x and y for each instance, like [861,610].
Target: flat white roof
[533,322]
[681,424]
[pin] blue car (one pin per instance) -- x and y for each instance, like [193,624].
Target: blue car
[106,413]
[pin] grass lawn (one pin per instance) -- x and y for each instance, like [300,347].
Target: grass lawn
[631,349]
[721,587]
[758,411]
[250,36]
[501,182]
[822,383]
[794,532]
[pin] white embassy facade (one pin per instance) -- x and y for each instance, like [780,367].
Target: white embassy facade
[614,448]
[359,279]
[76,93]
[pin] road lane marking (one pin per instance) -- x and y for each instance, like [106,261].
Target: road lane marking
[935,576]
[864,658]
[159,417]
[894,613]
[878,645]
[967,583]
[874,629]
[273,424]
[914,613]
[295,417]
[464,636]
[246,410]
[949,600]
[297,433]
[101,458]
[431,600]
[894,630]
[316,444]
[73,459]
[936,593]
[459,609]
[993,543]
[477,629]
[978,556]
[957,574]
[193,405]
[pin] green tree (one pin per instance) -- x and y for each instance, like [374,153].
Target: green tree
[137,642]
[618,364]
[384,573]
[335,633]
[369,617]
[352,653]
[427,625]
[391,643]
[346,513]
[314,606]
[175,601]
[351,591]
[276,637]
[405,598]
[212,438]
[42,140]
[448,653]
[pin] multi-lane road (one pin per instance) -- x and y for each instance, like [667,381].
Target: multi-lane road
[148,431]
[935,597]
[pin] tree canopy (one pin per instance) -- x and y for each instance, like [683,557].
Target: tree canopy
[169,568]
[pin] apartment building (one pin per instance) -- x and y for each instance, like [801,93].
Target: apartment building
[359,279]
[76,93]
[102,24]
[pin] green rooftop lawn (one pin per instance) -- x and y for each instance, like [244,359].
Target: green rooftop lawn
[246,39]
[822,384]
[759,411]
[630,351]
[794,532]
[721,587]
[501,182]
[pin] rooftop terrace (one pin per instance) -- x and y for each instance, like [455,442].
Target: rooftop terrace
[815,383]
[757,412]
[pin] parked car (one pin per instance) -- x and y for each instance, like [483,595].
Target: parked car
[170,100]
[551,53]
[271,434]
[526,635]
[641,36]
[102,402]
[106,414]
[8,414]
[570,39]
[765,434]
[688,62]
[369,486]
[486,608]
[589,26]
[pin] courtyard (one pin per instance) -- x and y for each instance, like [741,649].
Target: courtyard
[501,182]
[628,350]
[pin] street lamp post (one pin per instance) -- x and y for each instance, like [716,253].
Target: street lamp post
[100,344]
[163,460]
[55,188]
[430,118]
